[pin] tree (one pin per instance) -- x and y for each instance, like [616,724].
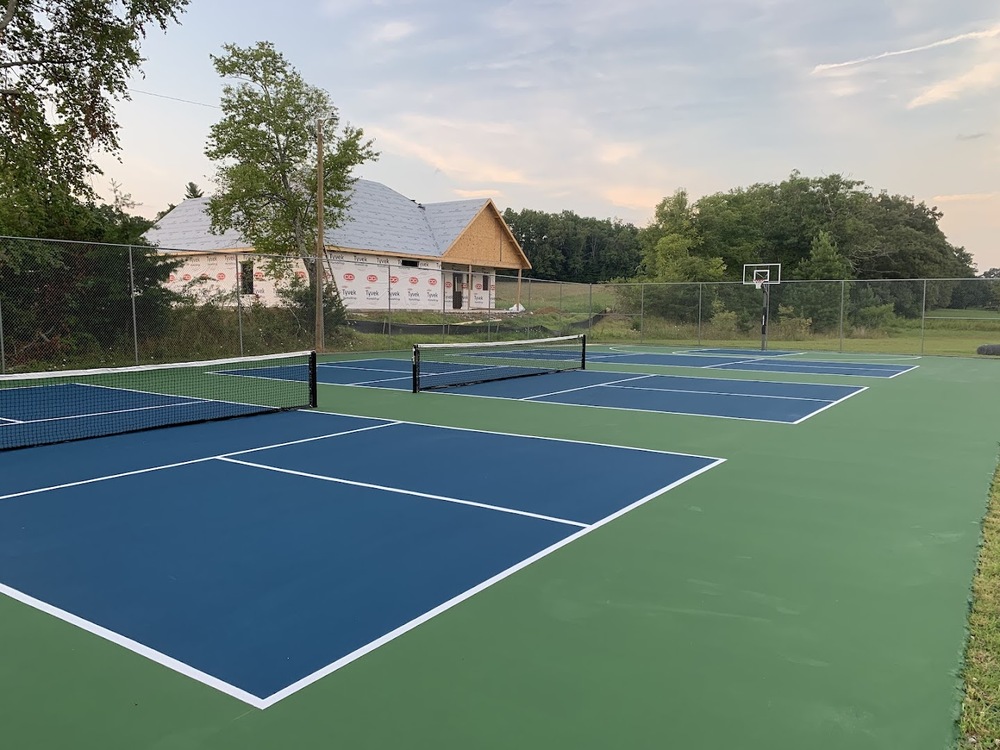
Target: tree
[266,152]
[72,58]
[191,190]
[71,301]
[670,244]
[820,300]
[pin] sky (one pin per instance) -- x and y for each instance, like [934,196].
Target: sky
[604,108]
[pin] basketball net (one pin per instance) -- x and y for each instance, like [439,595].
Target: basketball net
[759,283]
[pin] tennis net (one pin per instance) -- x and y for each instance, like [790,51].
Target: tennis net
[54,407]
[448,365]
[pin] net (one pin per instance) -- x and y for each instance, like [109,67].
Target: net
[448,365]
[54,407]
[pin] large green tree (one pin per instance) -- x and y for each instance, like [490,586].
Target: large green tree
[671,244]
[265,147]
[63,65]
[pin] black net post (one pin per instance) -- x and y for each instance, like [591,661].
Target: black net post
[313,380]
[583,352]
[416,368]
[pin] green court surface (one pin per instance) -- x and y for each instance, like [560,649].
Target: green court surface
[810,592]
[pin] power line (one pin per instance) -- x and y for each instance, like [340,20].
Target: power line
[174,98]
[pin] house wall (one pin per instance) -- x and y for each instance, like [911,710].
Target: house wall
[215,277]
[365,282]
[368,282]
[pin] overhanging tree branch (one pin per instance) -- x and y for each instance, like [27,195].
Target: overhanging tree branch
[8,16]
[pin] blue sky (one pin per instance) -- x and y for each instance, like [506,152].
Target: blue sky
[604,108]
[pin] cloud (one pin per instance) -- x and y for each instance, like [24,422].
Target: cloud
[488,193]
[615,153]
[979,78]
[448,154]
[990,33]
[971,136]
[393,31]
[966,198]
[632,196]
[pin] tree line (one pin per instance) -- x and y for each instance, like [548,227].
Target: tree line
[816,227]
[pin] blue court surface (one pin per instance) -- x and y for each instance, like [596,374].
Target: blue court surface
[765,401]
[258,565]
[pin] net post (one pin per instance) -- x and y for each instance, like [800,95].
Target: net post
[416,368]
[313,387]
[583,351]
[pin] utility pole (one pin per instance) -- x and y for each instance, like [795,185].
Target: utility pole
[319,235]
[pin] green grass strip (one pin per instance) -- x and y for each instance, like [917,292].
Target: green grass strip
[980,719]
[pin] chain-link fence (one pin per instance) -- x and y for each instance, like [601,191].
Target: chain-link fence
[76,305]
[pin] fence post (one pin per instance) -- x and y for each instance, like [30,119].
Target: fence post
[444,299]
[923,316]
[239,300]
[590,310]
[642,305]
[700,286]
[843,287]
[3,353]
[388,302]
[131,289]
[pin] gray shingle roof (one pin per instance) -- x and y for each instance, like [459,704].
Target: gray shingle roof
[378,219]
[186,227]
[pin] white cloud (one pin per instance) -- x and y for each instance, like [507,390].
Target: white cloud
[615,153]
[635,197]
[979,78]
[990,33]
[393,31]
[966,198]
[453,157]
[478,193]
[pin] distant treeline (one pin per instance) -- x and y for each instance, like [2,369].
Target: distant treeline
[816,227]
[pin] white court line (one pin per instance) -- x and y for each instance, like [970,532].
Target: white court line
[595,406]
[718,353]
[405,379]
[520,435]
[830,405]
[903,372]
[400,491]
[585,387]
[753,361]
[7,420]
[807,366]
[147,470]
[201,399]
[717,393]
[135,647]
[114,411]
[369,647]
[362,369]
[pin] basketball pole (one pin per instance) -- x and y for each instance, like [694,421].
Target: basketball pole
[765,308]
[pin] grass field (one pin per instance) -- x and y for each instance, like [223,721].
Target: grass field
[980,723]
[811,592]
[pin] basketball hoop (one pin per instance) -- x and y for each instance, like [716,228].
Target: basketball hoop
[758,284]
